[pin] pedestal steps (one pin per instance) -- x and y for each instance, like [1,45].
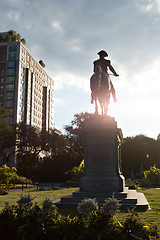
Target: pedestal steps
[128,199]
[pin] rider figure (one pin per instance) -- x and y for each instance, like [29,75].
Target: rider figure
[105,64]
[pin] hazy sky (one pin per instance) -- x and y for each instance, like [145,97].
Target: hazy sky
[67,34]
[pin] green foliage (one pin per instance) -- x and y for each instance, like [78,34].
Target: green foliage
[132,184]
[7,131]
[26,220]
[75,135]
[3,189]
[111,205]
[23,41]
[135,229]
[86,206]
[7,174]
[76,172]
[49,208]
[152,176]
[138,154]
[20,180]
[18,36]
[43,156]
[25,200]
[12,32]
[42,63]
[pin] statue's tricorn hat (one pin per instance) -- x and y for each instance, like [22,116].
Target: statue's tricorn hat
[102,52]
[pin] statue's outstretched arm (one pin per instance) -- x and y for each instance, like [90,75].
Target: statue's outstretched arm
[113,71]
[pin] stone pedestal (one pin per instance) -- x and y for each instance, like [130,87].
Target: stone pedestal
[102,171]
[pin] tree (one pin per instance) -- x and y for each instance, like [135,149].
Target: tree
[75,134]
[138,154]
[7,132]
[12,32]
[23,41]
[44,155]
[27,148]
[18,37]
[7,174]
[42,63]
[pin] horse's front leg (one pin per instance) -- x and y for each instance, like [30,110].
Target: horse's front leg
[96,107]
[106,108]
[102,108]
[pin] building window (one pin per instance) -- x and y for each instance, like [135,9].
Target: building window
[9,103]
[10,79]
[28,58]
[2,80]
[11,64]
[1,87]
[3,56]
[10,86]
[9,95]
[4,49]
[13,48]
[1,95]
[9,119]
[2,72]
[11,71]
[12,56]
[28,65]
[3,64]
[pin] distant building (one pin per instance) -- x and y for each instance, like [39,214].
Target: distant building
[26,89]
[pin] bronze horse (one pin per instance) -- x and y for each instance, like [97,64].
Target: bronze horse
[101,89]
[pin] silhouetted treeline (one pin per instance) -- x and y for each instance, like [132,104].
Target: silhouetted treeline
[47,156]
[138,154]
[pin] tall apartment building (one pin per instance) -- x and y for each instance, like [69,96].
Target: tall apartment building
[26,89]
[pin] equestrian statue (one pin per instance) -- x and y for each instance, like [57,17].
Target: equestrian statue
[100,83]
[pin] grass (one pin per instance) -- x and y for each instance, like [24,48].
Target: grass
[150,217]
[38,196]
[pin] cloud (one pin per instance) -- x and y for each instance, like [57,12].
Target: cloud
[59,101]
[69,79]
[67,35]
[57,26]
[13,15]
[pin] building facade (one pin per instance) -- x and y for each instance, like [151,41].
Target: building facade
[26,89]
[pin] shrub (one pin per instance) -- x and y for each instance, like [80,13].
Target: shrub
[35,223]
[133,228]
[152,176]
[7,174]
[111,205]
[49,207]
[20,180]
[86,206]
[25,201]
[3,189]
[100,225]
[131,184]
[76,172]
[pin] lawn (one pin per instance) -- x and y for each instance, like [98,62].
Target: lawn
[38,196]
[149,217]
